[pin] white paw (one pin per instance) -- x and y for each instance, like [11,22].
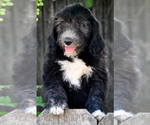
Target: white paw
[31,110]
[56,110]
[98,114]
[122,113]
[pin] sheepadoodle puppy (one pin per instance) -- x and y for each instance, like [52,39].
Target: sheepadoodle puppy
[75,73]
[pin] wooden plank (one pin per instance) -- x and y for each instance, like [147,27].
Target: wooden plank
[139,119]
[71,117]
[18,117]
[47,23]
[59,5]
[107,120]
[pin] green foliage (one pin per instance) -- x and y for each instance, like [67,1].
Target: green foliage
[3,4]
[38,113]
[39,87]
[40,102]
[4,86]
[39,3]
[89,3]
[6,101]
[3,113]
[39,98]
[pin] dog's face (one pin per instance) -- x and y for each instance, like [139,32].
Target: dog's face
[73,33]
[74,29]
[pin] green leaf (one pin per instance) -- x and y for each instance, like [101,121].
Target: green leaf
[3,4]
[4,86]
[1,19]
[89,3]
[2,10]
[38,4]
[3,113]
[39,99]
[2,13]
[37,9]
[39,87]
[39,102]
[38,113]
[9,4]
[6,0]
[37,13]
[6,101]
[41,4]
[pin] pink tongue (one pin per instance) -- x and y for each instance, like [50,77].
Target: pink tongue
[69,49]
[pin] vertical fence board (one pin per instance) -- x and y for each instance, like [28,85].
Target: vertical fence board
[71,117]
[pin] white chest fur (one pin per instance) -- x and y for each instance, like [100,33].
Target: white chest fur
[73,71]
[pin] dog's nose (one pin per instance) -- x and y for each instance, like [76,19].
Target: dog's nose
[68,41]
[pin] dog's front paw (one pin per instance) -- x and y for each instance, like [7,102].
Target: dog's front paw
[98,114]
[56,110]
[122,115]
[31,110]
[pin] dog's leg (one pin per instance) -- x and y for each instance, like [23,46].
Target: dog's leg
[95,102]
[56,99]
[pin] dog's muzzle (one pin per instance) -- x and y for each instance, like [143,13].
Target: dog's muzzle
[68,41]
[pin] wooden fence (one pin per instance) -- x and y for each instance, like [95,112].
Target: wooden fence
[71,117]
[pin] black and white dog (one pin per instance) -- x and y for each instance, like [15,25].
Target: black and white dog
[75,73]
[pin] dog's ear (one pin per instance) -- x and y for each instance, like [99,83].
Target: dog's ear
[52,40]
[97,43]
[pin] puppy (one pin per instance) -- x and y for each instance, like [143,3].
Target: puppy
[75,73]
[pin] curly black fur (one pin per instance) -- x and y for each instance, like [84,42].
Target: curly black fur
[92,92]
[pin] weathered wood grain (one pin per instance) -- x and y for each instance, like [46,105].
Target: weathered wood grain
[18,117]
[71,117]
[107,120]
[139,119]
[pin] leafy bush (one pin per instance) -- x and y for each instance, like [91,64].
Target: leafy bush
[3,4]
[6,100]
